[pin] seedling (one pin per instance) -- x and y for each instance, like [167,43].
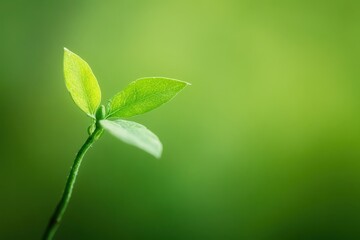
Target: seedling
[138,97]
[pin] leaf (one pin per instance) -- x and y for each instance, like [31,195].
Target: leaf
[81,83]
[144,95]
[134,134]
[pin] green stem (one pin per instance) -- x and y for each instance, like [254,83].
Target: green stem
[65,198]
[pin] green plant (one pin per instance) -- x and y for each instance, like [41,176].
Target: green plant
[138,97]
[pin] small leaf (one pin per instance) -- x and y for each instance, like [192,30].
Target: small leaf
[144,95]
[134,134]
[81,83]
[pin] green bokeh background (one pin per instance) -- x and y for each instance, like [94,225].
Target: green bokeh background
[264,145]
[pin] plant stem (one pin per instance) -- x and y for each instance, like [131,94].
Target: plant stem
[65,198]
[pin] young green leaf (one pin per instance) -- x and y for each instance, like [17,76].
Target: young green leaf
[134,134]
[81,83]
[144,95]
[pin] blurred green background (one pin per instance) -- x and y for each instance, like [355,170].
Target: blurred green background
[264,145]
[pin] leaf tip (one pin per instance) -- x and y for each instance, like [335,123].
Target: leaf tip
[177,80]
[157,154]
[66,50]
